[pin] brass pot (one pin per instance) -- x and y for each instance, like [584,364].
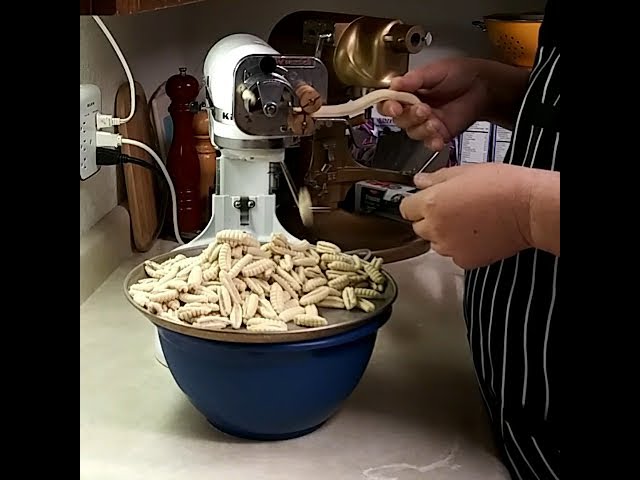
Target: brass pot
[513,37]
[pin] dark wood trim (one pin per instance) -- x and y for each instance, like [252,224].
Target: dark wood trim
[128,7]
[98,7]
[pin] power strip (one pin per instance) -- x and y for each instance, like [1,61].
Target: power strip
[90,104]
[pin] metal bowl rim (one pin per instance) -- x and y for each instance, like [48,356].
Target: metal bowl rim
[242,336]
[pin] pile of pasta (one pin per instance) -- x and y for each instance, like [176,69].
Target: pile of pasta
[236,283]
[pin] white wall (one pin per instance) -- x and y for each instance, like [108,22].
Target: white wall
[157,43]
[153,47]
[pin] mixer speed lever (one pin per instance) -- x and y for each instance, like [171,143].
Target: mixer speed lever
[244,205]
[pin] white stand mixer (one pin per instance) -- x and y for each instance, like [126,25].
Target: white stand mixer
[251,95]
[250,98]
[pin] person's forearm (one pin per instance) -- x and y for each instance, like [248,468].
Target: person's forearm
[543,229]
[506,86]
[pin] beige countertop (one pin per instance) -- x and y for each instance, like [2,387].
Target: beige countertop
[416,415]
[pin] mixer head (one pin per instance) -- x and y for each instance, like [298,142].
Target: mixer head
[252,92]
[266,92]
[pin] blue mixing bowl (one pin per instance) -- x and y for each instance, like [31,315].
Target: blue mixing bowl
[271,386]
[270,391]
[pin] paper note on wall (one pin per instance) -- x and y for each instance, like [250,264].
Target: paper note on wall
[475,143]
[501,142]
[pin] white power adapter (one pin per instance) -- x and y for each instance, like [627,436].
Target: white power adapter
[90,104]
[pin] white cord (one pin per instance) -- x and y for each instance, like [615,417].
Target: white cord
[104,121]
[114,140]
[174,200]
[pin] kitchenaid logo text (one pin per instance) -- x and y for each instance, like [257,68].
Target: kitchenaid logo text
[295,61]
[220,115]
[90,104]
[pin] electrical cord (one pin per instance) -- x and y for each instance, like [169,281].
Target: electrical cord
[110,156]
[104,121]
[107,139]
[172,190]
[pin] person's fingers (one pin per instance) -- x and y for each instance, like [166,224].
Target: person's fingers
[424,230]
[440,126]
[427,131]
[405,115]
[412,207]
[413,115]
[390,108]
[424,78]
[435,144]
[426,180]
[440,249]
[409,82]
[421,228]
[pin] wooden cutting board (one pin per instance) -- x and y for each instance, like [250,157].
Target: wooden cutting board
[140,182]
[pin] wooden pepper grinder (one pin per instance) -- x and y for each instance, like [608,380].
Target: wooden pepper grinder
[183,164]
[207,154]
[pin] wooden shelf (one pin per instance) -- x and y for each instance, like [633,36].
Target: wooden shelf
[128,7]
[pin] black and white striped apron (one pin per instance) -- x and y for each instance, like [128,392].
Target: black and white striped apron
[511,306]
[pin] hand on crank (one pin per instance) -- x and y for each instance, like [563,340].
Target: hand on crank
[455,95]
[475,214]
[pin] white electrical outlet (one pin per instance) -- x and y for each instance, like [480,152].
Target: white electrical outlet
[90,104]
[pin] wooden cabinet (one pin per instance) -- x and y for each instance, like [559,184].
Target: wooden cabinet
[128,7]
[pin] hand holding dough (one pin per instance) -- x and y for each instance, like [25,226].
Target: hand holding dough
[352,109]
